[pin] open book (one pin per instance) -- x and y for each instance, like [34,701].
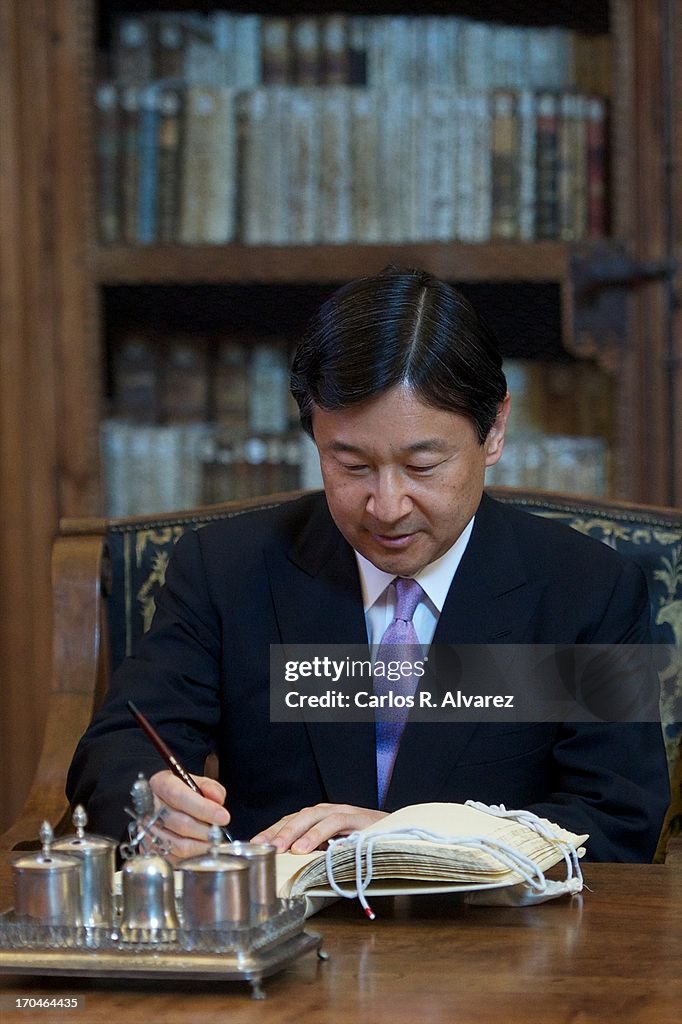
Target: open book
[440,847]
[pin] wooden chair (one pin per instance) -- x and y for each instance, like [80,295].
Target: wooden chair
[106,573]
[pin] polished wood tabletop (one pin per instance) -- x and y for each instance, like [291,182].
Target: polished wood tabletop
[611,954]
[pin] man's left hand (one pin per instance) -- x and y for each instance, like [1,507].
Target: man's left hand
[310,828]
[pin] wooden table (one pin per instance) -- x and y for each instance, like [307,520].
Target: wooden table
[613,954]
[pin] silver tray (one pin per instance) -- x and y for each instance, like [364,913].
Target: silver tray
[245,953]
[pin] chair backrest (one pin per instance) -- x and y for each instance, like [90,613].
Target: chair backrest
[653,538]
[107,573]
[139,554]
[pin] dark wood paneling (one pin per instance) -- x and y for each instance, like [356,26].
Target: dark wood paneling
[48,463]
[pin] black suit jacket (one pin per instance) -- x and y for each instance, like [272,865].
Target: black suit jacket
[286,575]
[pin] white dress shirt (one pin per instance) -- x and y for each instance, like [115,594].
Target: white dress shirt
[378,593]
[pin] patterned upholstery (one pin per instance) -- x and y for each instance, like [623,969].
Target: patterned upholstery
[139,551]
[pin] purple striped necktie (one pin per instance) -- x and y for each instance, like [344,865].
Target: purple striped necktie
[399,643]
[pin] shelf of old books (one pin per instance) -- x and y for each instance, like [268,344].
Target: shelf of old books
[205,415]
[349,128]
[290,148]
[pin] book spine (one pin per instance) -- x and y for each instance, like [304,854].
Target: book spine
[184,379]
[415,165]
[453,53]
[575,465]
[358,31]
[310,473]
[107,143]
[229,386]
[476,56]
[547,165]
[375,52]
[268,388]
[194,166]
[596,167]
[440,153]
[129,99]
[581,170]
[540,53]
[507,48]
[115,471]
[336,63]
[165,468]
[135,372]
[482,193]
[335,213]
[169,45]
[142,462]
[221,198]
[505,159]
[303,181]
[169,162]
[247,56]
[568,170]
[254,160]
[223,24]
[527,164]
[392,142]
[278,169]
[559,65]
[218,472]
[306,50]
[148,166]
[204,63]
[433,41]
[365,128]
[133,54]
[276,67]
[442,59]
[467,167]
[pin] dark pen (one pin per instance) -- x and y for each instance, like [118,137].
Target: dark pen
[168,756]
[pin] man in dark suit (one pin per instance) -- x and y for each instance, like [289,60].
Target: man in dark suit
[400,384]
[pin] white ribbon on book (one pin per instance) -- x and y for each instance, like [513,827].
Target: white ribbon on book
[534,887]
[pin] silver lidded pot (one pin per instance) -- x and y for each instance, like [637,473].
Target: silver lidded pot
[147,881]
[47,885]
[97,855]
[215,886]
[148,895]
[262,880]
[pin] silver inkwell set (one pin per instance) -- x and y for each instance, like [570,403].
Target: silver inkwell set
[217,916]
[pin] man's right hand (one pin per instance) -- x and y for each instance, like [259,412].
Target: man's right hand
[189,815]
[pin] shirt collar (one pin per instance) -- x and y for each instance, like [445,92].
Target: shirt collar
[435,578]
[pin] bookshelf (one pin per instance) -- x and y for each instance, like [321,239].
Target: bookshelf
[498,261]
[397,138]
[65,296]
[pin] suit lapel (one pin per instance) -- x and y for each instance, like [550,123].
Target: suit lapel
[490,600]
[318,600]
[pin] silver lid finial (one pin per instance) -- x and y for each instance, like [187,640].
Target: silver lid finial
[80,820]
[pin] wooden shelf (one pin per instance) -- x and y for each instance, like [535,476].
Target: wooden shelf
[493,261]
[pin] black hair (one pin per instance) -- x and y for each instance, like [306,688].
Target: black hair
[401,327]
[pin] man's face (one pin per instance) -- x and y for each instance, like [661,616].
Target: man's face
[402,478]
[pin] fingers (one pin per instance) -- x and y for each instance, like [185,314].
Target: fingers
[311,827]
[213,790]
[204,807]
[175,848]
[188,815]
